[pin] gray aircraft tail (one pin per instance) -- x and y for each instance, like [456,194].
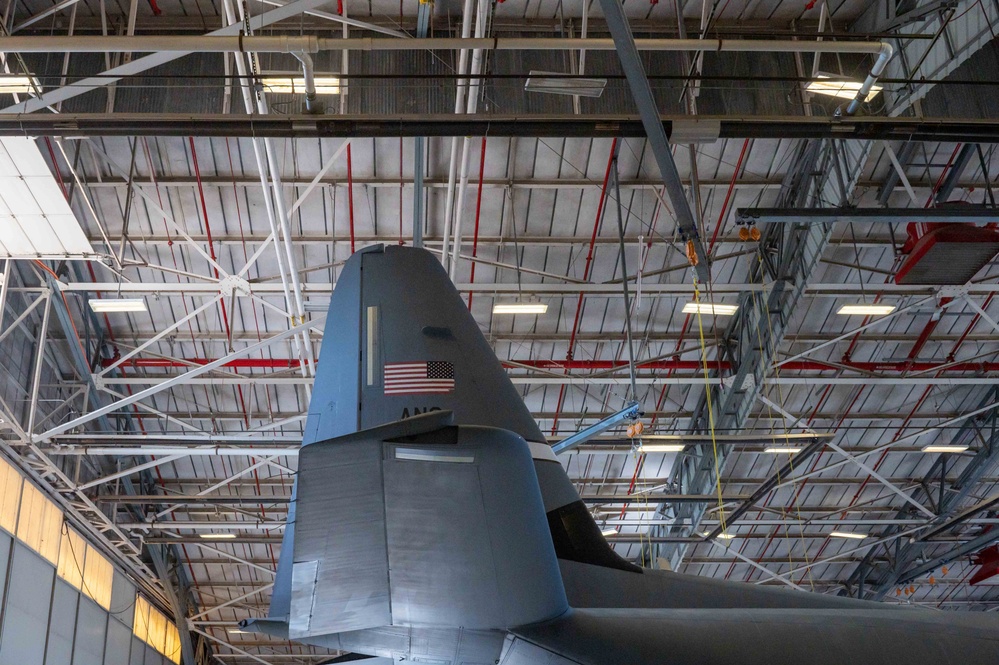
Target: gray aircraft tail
[431,522]
[399,341]
[401,351]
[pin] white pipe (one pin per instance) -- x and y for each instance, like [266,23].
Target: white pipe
[309,76]
[301,342]
[311,44]
[268,203]
[884,55]
[284,222]
[459,107]
[159,43]
[472,105]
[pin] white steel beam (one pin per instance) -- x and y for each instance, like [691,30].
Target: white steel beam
[129,471]
[86,418]
[148,62]
[608,290]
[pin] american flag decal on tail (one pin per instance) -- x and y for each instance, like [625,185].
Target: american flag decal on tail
[434,377]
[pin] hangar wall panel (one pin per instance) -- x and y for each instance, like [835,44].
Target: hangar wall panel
[26,608]
[61,600]
[62,625]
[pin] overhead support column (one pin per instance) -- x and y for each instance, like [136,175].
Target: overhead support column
[419,143]
[788,255]
[874,581]
[627,52]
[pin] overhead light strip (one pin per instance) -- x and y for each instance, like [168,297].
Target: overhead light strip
[520,308]
[661,448]
[849,535]
[945,448]
[107,305]
[825,85]
[18,84]
[866,310]
[295,85]
[713,309]
[555,83]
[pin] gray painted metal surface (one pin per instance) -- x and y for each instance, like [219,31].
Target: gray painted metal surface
[415,539]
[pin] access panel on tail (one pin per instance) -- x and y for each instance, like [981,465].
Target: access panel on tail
[420,523]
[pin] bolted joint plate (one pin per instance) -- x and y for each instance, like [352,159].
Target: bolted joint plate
[234,284]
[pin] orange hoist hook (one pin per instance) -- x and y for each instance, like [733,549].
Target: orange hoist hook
[691,253]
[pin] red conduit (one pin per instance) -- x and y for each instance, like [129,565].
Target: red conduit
[215,271]
[728,196]
[478,211]
[671,365]
[586,277]
[350,194]
[190,328]
[256,325]
[943,174]
[107,323]
[913,353]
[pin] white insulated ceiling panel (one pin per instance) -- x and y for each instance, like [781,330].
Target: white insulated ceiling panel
[35,219]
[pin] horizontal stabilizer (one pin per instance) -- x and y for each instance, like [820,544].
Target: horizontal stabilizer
[416,523]
[766,637]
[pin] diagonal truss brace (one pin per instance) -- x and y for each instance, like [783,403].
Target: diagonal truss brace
[631,63]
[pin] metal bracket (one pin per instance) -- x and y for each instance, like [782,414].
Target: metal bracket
[631,412]
[234,284]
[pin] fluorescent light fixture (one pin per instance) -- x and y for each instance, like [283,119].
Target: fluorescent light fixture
[608,532]
[824,85]
[661,448]
[104,305]
[520,308]
[555,83]
[944,448]
[720,536]
[325,85]
[847,534]
[710,308]
[790,450]
[238,631]
[217,536]
[11,83]
[866,310]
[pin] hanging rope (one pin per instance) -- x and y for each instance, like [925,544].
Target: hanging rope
[707,398]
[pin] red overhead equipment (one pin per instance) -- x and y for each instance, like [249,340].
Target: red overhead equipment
[988,562]
[946,253]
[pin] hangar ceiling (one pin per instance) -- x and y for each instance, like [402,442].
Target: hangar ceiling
[176,427]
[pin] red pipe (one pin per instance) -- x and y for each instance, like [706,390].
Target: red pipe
[211,251]
[795,365]
[672,365]
[728,196]
[478,211]
[586,277]
[943,174]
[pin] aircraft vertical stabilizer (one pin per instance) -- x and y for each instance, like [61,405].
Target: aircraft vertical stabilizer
[402,343]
